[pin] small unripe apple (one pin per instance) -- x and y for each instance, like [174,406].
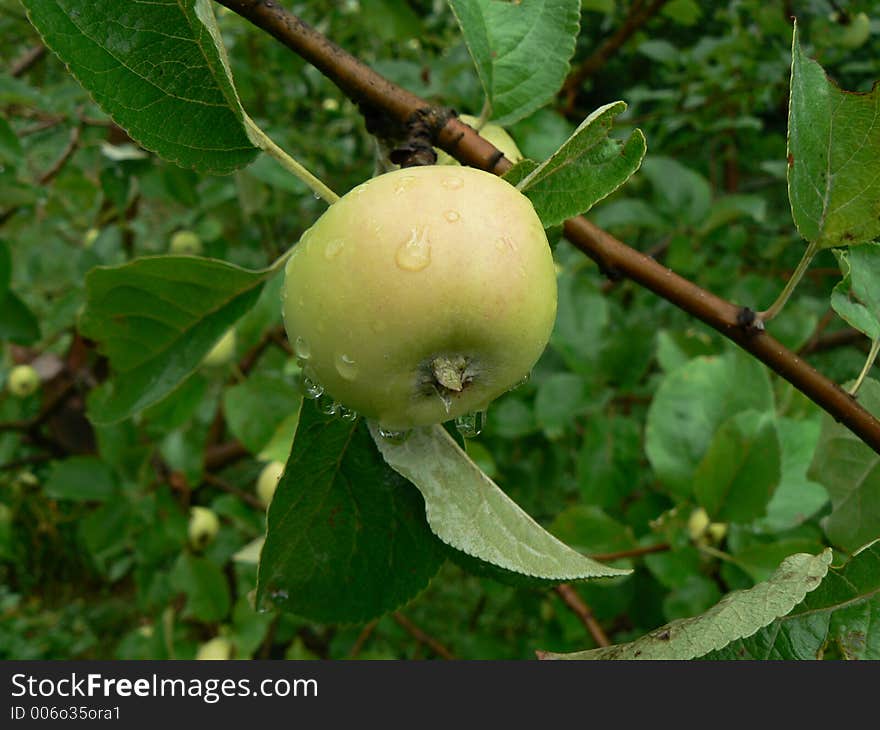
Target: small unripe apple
[216,648]
[421,295]
[187,243]
[702,530]
[854,33]
[223,352]
[493,133]
[267,482]
[23,381]
[90,237]
[203,527]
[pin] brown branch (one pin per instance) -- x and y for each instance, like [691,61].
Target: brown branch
[362,639]
[639,14]
[614,258]
[222,455]
[580,609]
[232,489]
[634,553]
[27,60]
[65,155]
[833,340]
[421,636]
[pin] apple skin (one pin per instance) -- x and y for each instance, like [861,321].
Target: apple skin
[493,133]
[23,381]
[203,527]
[186,243]
[267,482]
[223,352]
[419,271]
[218,648]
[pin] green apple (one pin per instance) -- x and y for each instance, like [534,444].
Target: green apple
[223,352]
[268,481]
[203,527]
[90,237]
[854,33]
[23,381]
[187,243]
[702,530]
[217,648]
[493,133]
[421,295]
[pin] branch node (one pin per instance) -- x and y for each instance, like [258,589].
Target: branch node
[749,321]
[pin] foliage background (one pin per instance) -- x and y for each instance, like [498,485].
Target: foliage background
[94,560]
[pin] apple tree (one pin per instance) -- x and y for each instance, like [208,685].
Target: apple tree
[320,336]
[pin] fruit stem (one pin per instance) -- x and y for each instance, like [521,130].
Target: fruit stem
[869,363]
[262,140]
[485,113]
[450,371]
[790,285]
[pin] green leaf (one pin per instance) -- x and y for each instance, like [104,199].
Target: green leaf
[684,195]
[586,168]
[470,513]
[204,585]
[581,317]
[18,323]
[80,478]
[159,69]
[590,530]
[505,41]
[796,498]
[840,618]
[737,615]
[857,297]
[256,408]
[155,319]
[10,147]
[850,471]
[833,156]
[741,468]
[560,398]
[347,538]
[691,403]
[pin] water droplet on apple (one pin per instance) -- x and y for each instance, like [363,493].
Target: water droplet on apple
[415,254]
[302,349]
[311,388]
[346,366]
[403,184]
[452,216]
[347,414]
[452,183]
[504,244]
[393,436]
[470,425]
[334,248]
[521,382]
[328,406]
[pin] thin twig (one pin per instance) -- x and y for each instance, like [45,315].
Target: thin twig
[232,489]
[634,553]
[580,609]
[638,15]
[65,155]
[370,89]
[362,639]
[842,338]
[27,61]
[222,455]
[421,636]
